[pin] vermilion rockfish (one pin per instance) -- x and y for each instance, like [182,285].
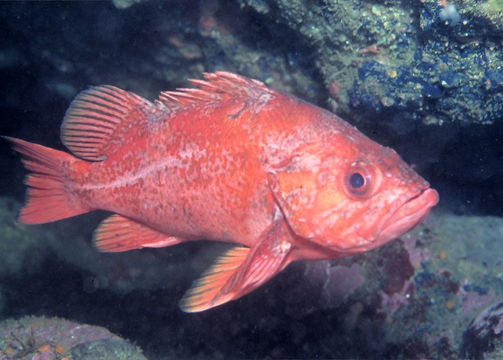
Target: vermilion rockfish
[229,160]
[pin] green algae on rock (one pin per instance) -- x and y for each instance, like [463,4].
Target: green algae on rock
[44,338]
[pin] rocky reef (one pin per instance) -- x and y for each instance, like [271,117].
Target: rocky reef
[424,77]
[40,338]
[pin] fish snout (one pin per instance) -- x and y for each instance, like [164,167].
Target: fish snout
[407,216]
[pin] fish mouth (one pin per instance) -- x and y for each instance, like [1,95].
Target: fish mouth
[408,215]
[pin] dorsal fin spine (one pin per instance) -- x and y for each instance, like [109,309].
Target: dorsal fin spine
[217,87]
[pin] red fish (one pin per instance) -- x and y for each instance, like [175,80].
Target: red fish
[229,160]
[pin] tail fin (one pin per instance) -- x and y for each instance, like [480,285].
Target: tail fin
[48,198]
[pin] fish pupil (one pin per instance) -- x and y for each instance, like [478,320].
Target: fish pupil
[356,180]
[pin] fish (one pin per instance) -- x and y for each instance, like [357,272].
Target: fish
[228,159]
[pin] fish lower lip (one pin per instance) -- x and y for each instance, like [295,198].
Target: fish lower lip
[409,215]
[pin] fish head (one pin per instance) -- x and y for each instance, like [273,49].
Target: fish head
[350,195]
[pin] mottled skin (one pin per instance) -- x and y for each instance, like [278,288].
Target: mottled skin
[235,161]
[200,175]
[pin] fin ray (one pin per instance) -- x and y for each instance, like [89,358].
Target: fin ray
[48,197]
[218,86]
[202,295]
[118,233]
[240,270]
[95,118]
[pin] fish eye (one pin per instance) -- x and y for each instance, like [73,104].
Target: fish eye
[358,180]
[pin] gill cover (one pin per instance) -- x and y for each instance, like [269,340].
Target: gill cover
[303,186]
[321,192]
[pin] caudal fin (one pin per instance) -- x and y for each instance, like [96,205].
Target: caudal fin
[47,198]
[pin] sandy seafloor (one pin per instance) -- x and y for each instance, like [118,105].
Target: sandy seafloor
[423,77]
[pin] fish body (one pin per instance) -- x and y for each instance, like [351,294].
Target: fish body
[229,160]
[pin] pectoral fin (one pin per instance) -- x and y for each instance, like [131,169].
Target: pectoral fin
[240,270]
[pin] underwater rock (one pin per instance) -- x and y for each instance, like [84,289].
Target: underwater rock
[483,332]
[329,286]
[421,291]
[106,349]
[41,338]
[390,55]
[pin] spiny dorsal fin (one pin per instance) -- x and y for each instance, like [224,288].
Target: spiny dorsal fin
[117,233]
[218,86]
[92,122]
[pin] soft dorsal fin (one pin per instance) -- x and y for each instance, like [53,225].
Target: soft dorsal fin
[218,86]
[91,128]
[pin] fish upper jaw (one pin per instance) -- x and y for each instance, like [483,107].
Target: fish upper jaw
[407,216]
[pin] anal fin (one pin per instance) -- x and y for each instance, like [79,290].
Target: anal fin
[118,233]
[240,270]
